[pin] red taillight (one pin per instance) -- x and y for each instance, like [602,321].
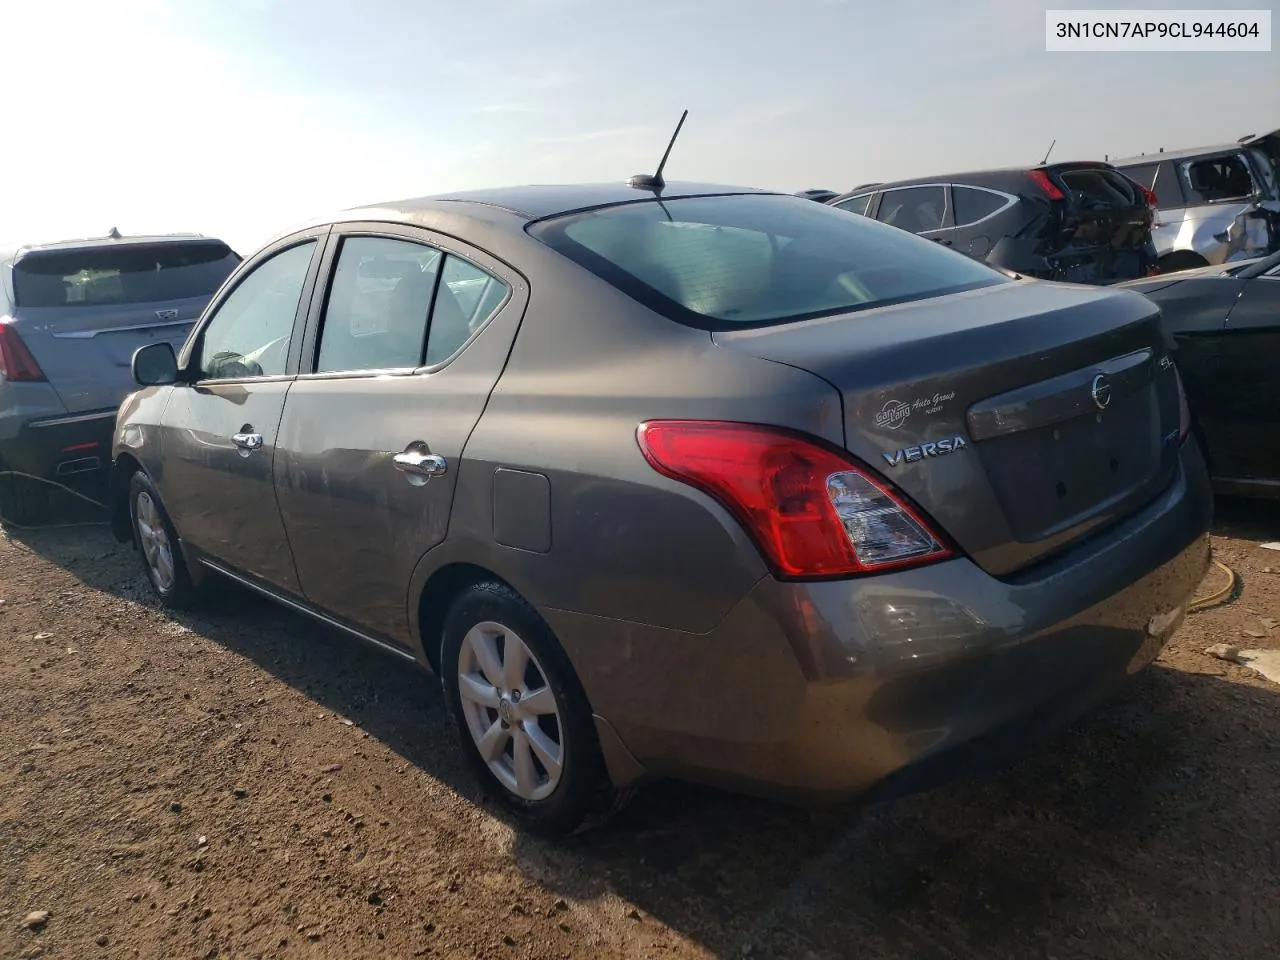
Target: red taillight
[1047,186]
[16,361]
[1148,194]
[810,510]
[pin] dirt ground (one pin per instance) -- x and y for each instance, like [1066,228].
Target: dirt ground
[246,784]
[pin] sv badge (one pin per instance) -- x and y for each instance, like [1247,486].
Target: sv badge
[941,448]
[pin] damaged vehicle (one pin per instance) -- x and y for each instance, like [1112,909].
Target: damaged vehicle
[1214,205]
[1226,324]
[1081,222]
[680,480]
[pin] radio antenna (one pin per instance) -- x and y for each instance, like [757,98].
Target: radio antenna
[654,181]
[1049,151]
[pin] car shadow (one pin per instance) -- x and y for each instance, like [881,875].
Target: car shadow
[1146,829]
[1248,519]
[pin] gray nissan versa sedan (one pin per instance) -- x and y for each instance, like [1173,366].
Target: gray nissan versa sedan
[680,481]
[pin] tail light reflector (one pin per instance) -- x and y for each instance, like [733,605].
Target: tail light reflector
[810,510]
[1047,186]
[16,361]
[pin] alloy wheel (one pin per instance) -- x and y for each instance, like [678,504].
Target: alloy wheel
[154,539]
[510,711]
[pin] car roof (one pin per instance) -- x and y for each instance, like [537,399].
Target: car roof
[976,177]
[999,177]
[13,254]
[1178,154]
[539,202]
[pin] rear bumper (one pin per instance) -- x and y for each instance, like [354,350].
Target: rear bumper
[819,691]
[1097,265]
[60,447]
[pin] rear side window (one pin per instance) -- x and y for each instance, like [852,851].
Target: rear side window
[728,261]
[394,301]
[120,275]
[1216,179]
[376,317]
[856,205]
[1144,174]
[1160,179]
[1168,192]
[973,204]
[914,209]
[467,298]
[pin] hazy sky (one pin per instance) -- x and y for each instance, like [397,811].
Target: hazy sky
[238,118]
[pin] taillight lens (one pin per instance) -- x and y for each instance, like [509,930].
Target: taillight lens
[811,511]
[1047,186]
[1150,196]
[16,361]
[1184,409]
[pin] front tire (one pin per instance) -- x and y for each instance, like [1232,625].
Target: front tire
[522,718]
[158,545]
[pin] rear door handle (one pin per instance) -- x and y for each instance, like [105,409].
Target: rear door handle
[420,465]
[248,442]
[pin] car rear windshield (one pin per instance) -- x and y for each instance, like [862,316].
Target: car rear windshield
[750,260]
[124,274]
[1100,188]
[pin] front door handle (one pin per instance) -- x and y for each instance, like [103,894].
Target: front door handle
[420,465]
[247,442]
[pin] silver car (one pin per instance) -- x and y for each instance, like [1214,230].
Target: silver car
[1214,204]
[684,481]
[71,316]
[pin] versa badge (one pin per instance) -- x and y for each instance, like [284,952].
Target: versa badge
[940,448]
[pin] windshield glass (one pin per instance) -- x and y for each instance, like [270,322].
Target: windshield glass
[125,274]
[729,261]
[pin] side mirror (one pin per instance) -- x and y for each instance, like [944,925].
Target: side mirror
[155,365]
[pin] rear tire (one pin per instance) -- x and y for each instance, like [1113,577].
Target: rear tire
[521,716]
[24,501]
[158,546]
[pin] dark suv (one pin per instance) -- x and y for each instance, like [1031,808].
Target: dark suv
[1083,222]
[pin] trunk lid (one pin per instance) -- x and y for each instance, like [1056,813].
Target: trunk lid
[1104,232]
[82,311]
[980,407]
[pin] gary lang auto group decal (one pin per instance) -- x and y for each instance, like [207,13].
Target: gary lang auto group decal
[896,412]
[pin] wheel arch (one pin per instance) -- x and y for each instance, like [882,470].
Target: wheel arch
[457,564]
[122,471]
[437,593]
